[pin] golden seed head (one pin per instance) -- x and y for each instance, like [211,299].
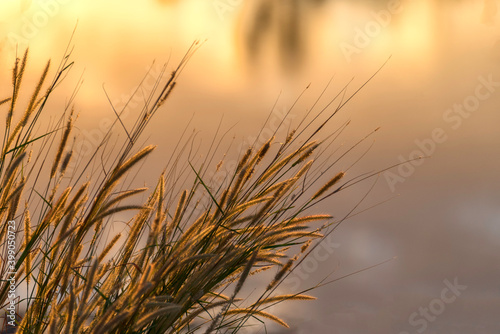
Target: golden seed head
[328,185]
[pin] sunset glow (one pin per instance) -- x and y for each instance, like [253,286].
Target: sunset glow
[386,110]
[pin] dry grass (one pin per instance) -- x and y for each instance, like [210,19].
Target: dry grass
[169,271]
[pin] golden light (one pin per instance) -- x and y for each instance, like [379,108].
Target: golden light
[417,29]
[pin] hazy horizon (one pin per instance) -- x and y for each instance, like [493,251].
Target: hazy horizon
[437,96]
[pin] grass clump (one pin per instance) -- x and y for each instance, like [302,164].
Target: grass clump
[182,263]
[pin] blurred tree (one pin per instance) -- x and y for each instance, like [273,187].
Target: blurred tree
[270,25]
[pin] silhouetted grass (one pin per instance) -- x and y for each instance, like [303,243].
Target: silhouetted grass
[181,265]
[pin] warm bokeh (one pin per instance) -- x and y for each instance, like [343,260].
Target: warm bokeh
[439,96]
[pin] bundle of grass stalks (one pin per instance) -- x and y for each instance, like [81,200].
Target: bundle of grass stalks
[181,264]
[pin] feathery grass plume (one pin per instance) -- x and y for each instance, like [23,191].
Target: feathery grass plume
[117,209]
[306,219]
[110,284]
[53,323]
[244,206]
[261,153]
[64,232]
[276,186]
[196,312]
[133,236]
[18,188]
[62,144]
[167,276]
[232,197]
[11,169]
[253,312]
[29,110]
[328,185]
[306,154]
[196,258]
[20,272]
[23,322]
[278,194]
[108,247]
[252,273]
[110,326]
[15,199]
[30,155]
[239,285]
[242,220]
[67,270]
[191,231]
[177,216]
[77,197]
[56,211]
[280,298]
[167,309]
[122,196]
[89,285]
[76,253]
[296,235]
[145,277]
[103,269]
[15,92]
[66,161]
[289,137]
[245,273]
[180,206]
[71,309]
[159,218]
[217,168]
[65,303]
[279,232]
[120,170]
[244,160]
[270,258]
[280,164]
[264,149]
[287,187]
[222,202]
[101,323]
[5,205]
[15,71]
[107,187]
[304,169]
[305,246]
[279,275]
[144,283]
[80,263]
[17,76]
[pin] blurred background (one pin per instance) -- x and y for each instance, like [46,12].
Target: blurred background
[438,95]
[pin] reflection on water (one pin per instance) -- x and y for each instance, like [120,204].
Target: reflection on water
[439,49]
[286,28]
